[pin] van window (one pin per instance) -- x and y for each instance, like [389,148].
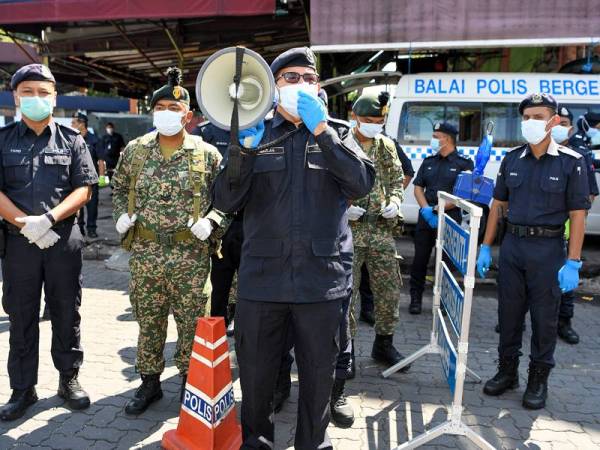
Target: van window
[507,123]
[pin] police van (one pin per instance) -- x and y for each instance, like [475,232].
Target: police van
[470,101]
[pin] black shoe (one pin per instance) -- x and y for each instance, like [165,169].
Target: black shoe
[20,400]
[342,413]
[70,389]
[182,389]
[352,370]
[279,398]
[367,317]
[384,351]
[415,306]
[537,387]
[92,234]
[506,378]
[566,332]
[148,393]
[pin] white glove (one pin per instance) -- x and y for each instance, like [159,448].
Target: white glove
[355,212]
[390,211]
[201,229]
[47,240]
[125,223]
[35,226]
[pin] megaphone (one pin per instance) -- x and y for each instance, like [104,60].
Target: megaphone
[216,88]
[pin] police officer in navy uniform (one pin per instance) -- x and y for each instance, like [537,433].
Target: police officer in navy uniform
[541,184]
[294,196]
[46,174]
[437,173]
[565,134]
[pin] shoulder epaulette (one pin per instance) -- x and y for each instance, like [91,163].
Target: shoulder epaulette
[569,151]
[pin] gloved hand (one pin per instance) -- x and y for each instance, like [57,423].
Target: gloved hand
[125,223]
[35,226]
[568,275]
[390,211]
[47,240]
[201,229]
[484,260]
[251,137]
[312,110]
[355,212]
[103,181]
[429,216]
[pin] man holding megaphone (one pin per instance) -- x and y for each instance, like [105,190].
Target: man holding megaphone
[294,194]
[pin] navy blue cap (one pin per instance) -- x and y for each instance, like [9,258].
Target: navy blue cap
[446,128]
[294,57]
[31,72]
[81,117]
[538,99]
[563,111]
[592,118]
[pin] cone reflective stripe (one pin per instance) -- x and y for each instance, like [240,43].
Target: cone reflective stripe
[207,419]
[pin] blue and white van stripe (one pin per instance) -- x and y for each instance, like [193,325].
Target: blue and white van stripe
[417,152]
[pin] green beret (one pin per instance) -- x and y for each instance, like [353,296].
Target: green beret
[172,90]
[371,105]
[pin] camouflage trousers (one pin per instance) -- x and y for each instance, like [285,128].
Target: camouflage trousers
[385,278]
[167,278]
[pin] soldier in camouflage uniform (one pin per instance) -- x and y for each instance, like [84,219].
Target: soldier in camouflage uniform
[373,219]
[162,208]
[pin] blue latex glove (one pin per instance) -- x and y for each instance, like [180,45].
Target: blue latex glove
[568,275]
[484,260]
[429,216]
[255,132]
[312,110]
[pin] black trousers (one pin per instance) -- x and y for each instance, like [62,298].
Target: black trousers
[91,210]
[25,270]
[260,340]
[567,305]
[366,294]
[223,269]
[528,281]
[424,241]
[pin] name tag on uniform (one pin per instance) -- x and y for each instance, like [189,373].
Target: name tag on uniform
[15,150]
[453,169]
[554,178]
[313,149]
[271,151]
[513,174]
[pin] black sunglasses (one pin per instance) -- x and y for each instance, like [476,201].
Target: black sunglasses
[294,77]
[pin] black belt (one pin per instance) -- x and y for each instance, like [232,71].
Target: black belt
[69,221]
[371,218]
[527,231]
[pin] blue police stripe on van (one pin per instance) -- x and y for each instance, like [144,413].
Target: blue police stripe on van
[469,152]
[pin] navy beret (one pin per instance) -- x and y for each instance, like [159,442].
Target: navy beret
[538,99]
[31,72]
[294,57]
[446,128]
[80,116]
[172,90]
[592,118]
[563,111]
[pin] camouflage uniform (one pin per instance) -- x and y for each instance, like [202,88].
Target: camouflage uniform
[373,237]
[166,276]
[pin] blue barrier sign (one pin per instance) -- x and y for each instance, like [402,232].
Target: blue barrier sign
[448,354]
[456,244]
[208,412]
[452,298]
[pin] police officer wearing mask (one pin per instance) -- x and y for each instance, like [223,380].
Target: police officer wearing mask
[294,196]
[437,173]
[43,244]
[541,184]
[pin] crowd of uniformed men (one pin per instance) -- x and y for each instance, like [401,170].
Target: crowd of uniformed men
[307,227]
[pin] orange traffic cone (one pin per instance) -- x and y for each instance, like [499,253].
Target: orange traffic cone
[207,419]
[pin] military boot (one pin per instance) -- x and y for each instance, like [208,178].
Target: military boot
[384,351]
[352,370]
[342,413]
[537,386]
[70,389]
[566,332]
[416,302]
[506,378]
[20,400]
[148,393]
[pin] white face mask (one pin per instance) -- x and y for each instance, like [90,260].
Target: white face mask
[288,96]
[109,131]
[560,133]
[370,130]
[168,123]
[534,131]
[594,135]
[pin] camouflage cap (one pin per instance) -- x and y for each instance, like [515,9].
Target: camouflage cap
[371,105]
[172,90]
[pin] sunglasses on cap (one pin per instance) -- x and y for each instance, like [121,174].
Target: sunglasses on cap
[294,77]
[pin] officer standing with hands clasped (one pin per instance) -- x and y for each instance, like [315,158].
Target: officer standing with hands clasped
[294,195]
[541,184]
[46,174]
[437,173]
[161,205]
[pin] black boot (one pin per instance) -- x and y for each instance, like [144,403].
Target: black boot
[342,413]
[537,387]
[367,317]
[20,400]
[384,351]
[182,389]
[70,389]
[352,371]
[506,378]
[566,332]
[416,301]
[148,393]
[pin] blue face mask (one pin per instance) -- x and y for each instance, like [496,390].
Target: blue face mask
[36,108]
[435,145]
[594,135]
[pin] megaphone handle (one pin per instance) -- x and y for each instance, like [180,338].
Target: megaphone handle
[234,162]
